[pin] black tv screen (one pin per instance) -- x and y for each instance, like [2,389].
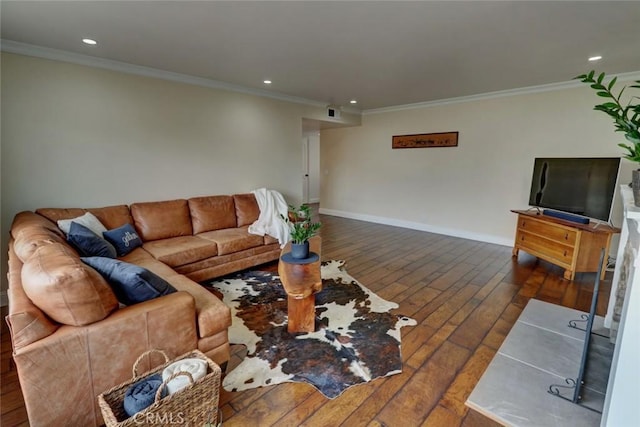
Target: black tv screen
[581,186]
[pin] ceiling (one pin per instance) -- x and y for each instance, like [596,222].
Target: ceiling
[383,54]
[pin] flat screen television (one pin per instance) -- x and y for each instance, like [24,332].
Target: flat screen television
[580,186]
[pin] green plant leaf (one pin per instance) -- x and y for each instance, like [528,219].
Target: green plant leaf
[301,228]
[611,105]
[633,140]
[626,119]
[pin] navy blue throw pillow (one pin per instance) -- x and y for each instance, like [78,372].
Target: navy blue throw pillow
[131,283]
[89,243]
[125,239]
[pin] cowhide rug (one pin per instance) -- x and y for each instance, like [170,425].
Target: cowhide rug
[357,339]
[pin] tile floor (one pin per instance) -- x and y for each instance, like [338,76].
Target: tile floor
[541,350]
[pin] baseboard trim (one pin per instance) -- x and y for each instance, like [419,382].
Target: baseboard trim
[487,238]
[4,301]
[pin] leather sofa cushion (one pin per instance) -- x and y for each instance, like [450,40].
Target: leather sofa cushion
[183,250]
[235,258]
[213,315]
[212,213]
[30,231]
[268,240]
[27,219]
[232,240]
[247,210]
[161,220]
[66,289]
[214,341]
[113,216]
[141,257]
[56,214]
[109,216]
[29,239]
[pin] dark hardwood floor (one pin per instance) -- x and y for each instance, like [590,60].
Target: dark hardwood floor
[465,295]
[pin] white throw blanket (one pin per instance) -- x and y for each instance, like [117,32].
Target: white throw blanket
[272,205]
[196,367]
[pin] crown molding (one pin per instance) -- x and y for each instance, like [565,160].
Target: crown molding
[635,75]
[124,67]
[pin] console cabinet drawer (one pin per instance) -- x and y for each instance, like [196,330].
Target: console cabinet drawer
[555,252]
[554,232]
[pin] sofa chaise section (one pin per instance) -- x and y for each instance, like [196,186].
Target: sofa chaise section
[62,368]
[89,350]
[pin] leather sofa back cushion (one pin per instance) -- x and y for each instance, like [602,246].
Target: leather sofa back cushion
[212,213]
[56,214]
[109,216]
[66,289]
[28,219]
[161,220]
[113,216]
[29,239]
[30,231]
[247,209]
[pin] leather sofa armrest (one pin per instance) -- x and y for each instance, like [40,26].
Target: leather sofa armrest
[62,374]
[27,323]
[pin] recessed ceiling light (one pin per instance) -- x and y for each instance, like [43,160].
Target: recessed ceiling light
[267,82]
[595,58]
[353,101]
[89,41]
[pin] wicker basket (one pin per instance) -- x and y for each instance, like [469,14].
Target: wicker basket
[194,405]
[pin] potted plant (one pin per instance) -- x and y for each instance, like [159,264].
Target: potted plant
[626,119]
[302,229]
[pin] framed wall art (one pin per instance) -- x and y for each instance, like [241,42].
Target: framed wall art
[425,140]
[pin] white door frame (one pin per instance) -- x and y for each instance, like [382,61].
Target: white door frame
[305,169]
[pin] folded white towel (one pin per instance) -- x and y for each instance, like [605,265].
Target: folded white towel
[196,367]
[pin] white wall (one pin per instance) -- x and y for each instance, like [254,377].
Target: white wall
[467,190]
[83,137]
[77,136]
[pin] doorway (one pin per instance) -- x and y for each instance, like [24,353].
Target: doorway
[311,167]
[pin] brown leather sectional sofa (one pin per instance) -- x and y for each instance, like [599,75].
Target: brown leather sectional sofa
[63,365]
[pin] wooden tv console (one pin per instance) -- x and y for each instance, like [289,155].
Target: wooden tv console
[572,246]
